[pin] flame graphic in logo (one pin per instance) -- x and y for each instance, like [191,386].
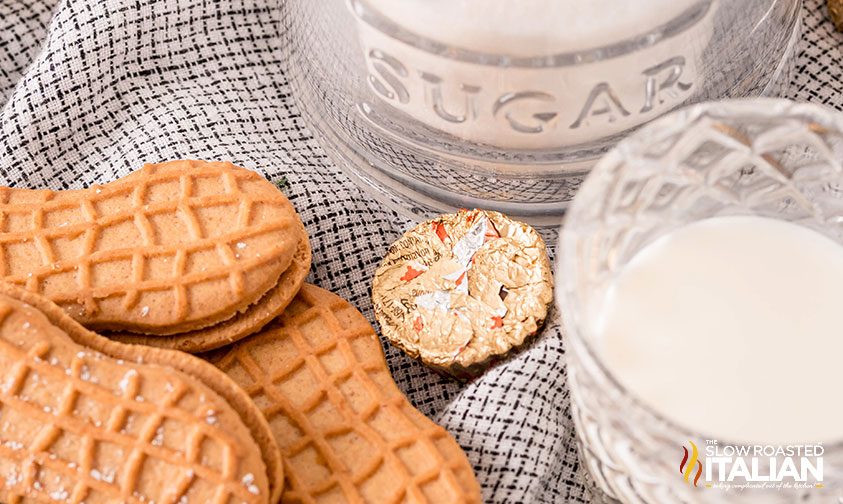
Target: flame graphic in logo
[689,460]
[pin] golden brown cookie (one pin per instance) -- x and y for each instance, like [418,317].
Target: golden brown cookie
[171,248]
[79,424]
[241,325]
[346,432]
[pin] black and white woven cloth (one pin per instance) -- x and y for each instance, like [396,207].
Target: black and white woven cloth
[92,89]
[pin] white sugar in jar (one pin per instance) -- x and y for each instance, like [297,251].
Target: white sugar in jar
[550,85]
[436,105]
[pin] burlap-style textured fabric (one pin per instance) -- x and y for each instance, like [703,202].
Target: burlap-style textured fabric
[91,89]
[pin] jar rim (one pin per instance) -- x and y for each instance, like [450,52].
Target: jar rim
[679,24]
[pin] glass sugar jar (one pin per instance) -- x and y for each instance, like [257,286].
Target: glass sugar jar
[433,105]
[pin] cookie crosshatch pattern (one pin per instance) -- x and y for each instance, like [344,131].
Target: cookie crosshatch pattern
[241,325]
[173,247]
[107,86]
[77,428]
[346,432]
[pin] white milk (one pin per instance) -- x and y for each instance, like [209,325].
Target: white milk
[733,327]
[546,103]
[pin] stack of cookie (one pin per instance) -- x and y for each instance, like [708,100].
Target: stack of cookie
[87,419]
[187,255]
[191,256]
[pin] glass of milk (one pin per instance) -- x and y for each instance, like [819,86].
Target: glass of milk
[700,280]
[433,105]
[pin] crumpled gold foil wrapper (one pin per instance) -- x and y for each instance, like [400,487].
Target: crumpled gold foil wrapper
[835,9]
[459,292]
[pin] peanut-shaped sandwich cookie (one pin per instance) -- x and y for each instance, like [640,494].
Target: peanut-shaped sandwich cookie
[346,432]
[84,419]
[193,250]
